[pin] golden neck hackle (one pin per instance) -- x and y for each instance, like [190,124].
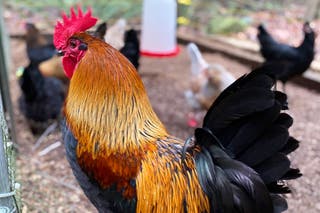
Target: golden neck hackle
[107,107]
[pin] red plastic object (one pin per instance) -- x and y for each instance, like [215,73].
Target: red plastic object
[173,53]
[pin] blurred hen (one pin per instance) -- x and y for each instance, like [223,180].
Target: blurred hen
[293,60]
[131,48]
[207,82]
[115,34]
[42,98]
[39,48]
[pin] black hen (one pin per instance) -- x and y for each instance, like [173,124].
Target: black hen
[131,48]
[39,48]
[101,30]
[294,60]
[244,142]
[42,98]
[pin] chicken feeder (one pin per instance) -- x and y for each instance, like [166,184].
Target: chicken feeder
[158,33]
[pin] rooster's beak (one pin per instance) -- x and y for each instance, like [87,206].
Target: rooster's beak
[60,53]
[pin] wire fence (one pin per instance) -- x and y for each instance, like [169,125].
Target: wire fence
[8,185]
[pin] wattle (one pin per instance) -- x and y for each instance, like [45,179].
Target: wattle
[69,65]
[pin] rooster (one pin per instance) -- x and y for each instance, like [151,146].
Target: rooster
[293,60]
[207,82]
[125,160]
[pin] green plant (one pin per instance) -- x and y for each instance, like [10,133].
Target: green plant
[104,9]
[226,25]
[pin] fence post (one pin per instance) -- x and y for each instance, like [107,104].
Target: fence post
[4,80]
[7,201]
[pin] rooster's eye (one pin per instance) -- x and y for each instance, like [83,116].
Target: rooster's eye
[73,44]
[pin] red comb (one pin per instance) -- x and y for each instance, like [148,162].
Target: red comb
[69,26]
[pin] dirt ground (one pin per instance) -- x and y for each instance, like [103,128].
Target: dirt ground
[47,181]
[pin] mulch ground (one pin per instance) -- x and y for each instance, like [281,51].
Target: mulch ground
[48,184]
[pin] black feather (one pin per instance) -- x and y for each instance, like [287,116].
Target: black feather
[291,145]
[246,137]
[285,120]
[233,107]
[250,129]
[278,188]
[248,181]
[268,144]
[282,99]
[279,203]
[291,174]
[273,168]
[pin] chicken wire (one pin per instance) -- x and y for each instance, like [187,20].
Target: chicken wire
[8,186]
[9,161]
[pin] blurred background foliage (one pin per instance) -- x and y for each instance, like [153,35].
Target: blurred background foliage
[104,9]
[208,16]
[226,17]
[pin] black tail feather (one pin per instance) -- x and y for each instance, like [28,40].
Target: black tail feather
[282,99]
[265,147]
[278,188]
[279,203]
[249,131]
[246,137]
[292,174]
[218,191]
[247,103]
[285,120]
[230,185]
[274,168]
[292,145]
